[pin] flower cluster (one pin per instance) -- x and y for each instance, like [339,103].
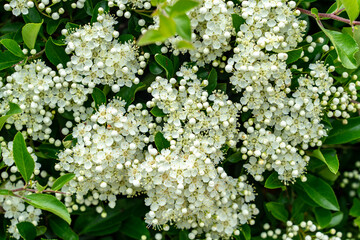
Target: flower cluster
[98,57]
[184,183]
[108,151]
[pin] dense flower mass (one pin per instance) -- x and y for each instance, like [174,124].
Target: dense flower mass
[234,97]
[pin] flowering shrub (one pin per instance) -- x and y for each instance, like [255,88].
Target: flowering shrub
[184,119]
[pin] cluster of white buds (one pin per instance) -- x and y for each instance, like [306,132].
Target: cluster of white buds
[98,57]
[352,179]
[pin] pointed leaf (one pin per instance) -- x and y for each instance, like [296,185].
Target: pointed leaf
[62,229]
[355,209]
[13,47]
[30,32]
[212,78]
[23,160]
[62,180]
[27,230]
[273,182]
[278,210]
[182,7]
[99,97]
[14,109]
[183,26]
[56,54]
[160,142]
[344,133]
[165,63]
[323,216]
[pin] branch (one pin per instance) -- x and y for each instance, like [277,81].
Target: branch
[30,58]
[35,191]
[330,15]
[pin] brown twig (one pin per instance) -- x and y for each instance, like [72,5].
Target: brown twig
[35,191]
[30,58]
[330,15]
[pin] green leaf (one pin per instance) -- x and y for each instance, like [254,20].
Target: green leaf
[134,227]
[160,141]
[62,229]
[212,78]
[352,8]
[167,26]
[320,192]
[27,230]
[39,187]
[294,55]
[345,46]
[102,4]
[52,25]
[6,192]
[123,38]
[49,203]
[14,109]
[99,97]
[278,210]
[55,53]
[235,157]
[344,133]
[323,216]
[165,63]
[329,157]
[13,47]
[355,209]
[23,160]
[62,180]
[182,7]
[183,26]
[40,230]
[157,112]
[182,44]
[29,33]
[7,59]
[151,36]
[237,21]
[273,182]
[128,93]
[155,68]
[246,231]
[336,219]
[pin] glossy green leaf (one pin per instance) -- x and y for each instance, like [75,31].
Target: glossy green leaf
[151,36]
[183,26]
[246,231]
[273,182]
[14,109]
[102,4]
[62,180]
[329,157]
[212,79]
[29,33]
[56,54]
[235,157]
[40,230]
[128,93]
[355,209]
[167,26]
[166,64]
[293,55]
[123,38]
[237,21]
[7,59]
[278,210]
[160,141]
[182,7]
[27,230]
[157,112]
[323,216]
[52,25]
[62,229]
[345,46]
[182,44]
[134,227]
[49,203]
[352,8]
[344,133]
[99,97]
[336,218]
[320,192]
[22,158]
[6,192]
[13,47]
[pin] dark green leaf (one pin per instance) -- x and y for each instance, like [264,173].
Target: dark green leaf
[49,203]
[323,216]
[293,55]
[273,182]
[155,68]
[7,59]
[99,97]
[234,158]
[13,47]
[329,157]
[27,230]
[320,192]
[40,230]
[183,26]
[212,78]
[23,160]
[52,25]
[237,21]
[336,219]
[55,53]
[123,38]
[161,142]
[102,4]
[62,180]
[165,63]
[62,229]
[128,93]
[182,7]
[134,227]
[344,133]
[246,231]
[157,112]
[278,210]
[355,209]
[14,109]
[30,32]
